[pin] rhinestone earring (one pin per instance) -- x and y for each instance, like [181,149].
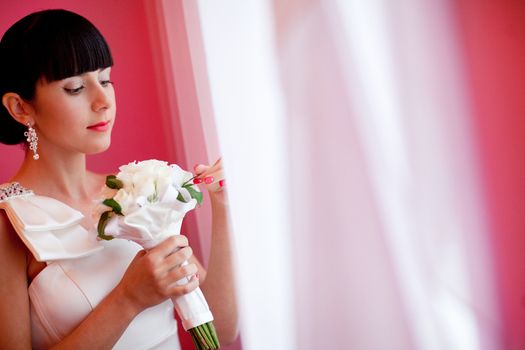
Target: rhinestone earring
[32,140]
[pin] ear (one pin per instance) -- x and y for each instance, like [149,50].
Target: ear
[19,109]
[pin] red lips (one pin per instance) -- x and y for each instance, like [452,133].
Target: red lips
[101,126]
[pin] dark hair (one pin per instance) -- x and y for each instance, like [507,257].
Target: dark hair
[50,44]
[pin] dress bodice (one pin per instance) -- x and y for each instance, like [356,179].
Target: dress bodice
[80,272]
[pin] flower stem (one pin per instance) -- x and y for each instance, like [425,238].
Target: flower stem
[214,334]
[207,343]
[195,341]
[185,182]
[205,337]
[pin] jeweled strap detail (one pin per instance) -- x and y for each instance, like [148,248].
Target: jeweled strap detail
[12,190]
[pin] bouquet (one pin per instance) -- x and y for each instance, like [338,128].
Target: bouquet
[149,203]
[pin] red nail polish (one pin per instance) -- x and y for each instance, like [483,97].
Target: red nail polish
[222,183]
[197,180]
[208,179]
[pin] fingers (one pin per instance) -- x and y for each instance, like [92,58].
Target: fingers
[178,290]
[188,270]
[175,259]
[202,170]
[175,276]
[153,275]
[169,246]
[177,282]
[211,176]
[170,254]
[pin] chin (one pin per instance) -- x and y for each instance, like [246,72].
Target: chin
[99,148]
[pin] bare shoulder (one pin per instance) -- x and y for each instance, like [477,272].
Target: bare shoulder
[14,304]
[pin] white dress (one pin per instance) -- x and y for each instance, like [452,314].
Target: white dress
[80,272]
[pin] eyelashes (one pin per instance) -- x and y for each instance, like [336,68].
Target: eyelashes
[76,91]
[105,83]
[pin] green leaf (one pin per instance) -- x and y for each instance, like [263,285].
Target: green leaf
[181,198]
[102,222]
[113,204]
[188,182]
[194,193]
[113,182]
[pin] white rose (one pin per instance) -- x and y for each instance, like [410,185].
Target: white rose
[151,166]
[163,180]
[179,176]
[150,181]
[126,175]
[144,185]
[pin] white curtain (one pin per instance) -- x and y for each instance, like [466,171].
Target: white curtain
[353,183]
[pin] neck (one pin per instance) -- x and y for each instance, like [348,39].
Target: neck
[51,175]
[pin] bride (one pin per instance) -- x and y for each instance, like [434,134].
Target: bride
[58,99]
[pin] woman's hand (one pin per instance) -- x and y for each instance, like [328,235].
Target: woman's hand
[152,275]
[212,177]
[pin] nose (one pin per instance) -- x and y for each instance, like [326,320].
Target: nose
[103,98]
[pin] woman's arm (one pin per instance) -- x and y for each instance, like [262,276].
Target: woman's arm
[218,283]
[15,328]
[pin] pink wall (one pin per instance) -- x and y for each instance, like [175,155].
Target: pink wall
[494,39]
[139,132]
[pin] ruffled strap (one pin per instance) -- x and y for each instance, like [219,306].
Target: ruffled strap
[50,229]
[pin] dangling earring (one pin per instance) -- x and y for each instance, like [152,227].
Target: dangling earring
[32,140]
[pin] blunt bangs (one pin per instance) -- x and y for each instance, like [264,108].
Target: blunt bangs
[70,46]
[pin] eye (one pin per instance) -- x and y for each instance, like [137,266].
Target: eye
[74,91]
[105,83]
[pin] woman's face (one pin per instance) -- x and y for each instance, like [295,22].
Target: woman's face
[75,114]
